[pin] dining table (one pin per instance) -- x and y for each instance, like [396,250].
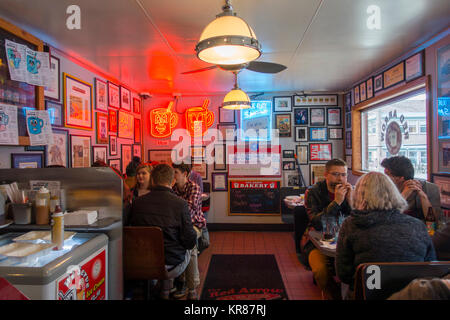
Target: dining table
[326,247]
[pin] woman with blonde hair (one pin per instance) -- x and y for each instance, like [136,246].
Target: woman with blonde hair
[377,231]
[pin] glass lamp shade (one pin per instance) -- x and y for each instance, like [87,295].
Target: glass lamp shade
[228,40]
[236,99]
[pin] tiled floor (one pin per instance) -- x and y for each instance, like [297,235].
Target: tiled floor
[297,280]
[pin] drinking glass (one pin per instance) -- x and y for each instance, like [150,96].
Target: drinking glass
[328,223]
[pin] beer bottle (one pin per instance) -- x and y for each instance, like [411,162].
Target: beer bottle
[430,221]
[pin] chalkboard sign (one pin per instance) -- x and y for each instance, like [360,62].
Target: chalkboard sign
[254,197]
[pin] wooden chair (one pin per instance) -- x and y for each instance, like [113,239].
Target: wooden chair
[394,276]
[143,254]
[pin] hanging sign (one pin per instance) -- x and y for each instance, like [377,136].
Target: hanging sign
[9,129]
[162,121]
[199,119]
[39,127]
[391,131]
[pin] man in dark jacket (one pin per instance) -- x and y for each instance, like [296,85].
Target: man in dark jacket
[328,198]
[162,208]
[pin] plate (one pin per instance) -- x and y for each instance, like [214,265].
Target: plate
[7,223]
[292,197]
[41,236]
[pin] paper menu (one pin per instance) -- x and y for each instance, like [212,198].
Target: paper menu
[9,128]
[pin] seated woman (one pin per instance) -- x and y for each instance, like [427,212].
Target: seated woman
[142,186]
[377,231]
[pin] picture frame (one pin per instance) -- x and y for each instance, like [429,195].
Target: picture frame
[317,117]
[55,112]
[291,179]
[53,90]
[125,99]
[444,155]
[163,156]
[57,152]
[288,165]
[102,128]
[80,150]
[112,145]
[101,95]
[334,117]
[219,181]
[137,130]
[443,183]
[348,160]
[201,168]
[378,83]
[301,116]
[113,95]
[220,157]
[126,156]
[125,125]
[318,134]
[320,151]
[112,120]
[348,120]
[356,94]
[78,110]
[443,77]
[116,164]
[362,92]
[369,89]
[301,134]
[302,154]
[348,140]
[348,102]
[137,150]
[283,124]
[227,131]
[198,152]
[282,104]
[27,160]
[99,153]
[336,134]
[137,105]
[415,66]
[227,115]
[316,100]
[316,173]
[256,122]
[394,75]
[288,154]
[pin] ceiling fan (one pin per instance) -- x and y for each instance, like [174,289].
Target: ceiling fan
[256,66]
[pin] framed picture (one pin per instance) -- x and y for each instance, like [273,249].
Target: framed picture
[201,168]
[220,157]
[112,114]
[317,173]
[348,160]
[348,120]
[362,92]
[291,179]
[127,155]
[288,154]
[125,99]
[302,154]
[318,134]
[228,131]
[317,117]
[113,146]
[320,152]
[443,76]
[99,153]
[348,140]
[282,104]
[283,124]
[394,75]
[55,112]
[348,102]
[136,105]
[77,103]
[161,156]
[414,66]
[336,133]
[137,150]
[137,130]
[356,94]
[378,83]
[227,116]
[57,152]
[52,91]
[125,125]
[316,100]
[116,164]
[369,85]
[27,160]
[101,97]
[102,128]
[300,116]
[198,152]
[113,95]
[444,155]
[219,181]
[301,134]
[288,165]
[443,182]
[334,117]
[80,150]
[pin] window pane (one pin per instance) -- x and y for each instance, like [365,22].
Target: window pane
[393,130]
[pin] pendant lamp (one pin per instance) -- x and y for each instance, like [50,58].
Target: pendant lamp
[236,99]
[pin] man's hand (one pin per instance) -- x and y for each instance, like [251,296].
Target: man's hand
[349,195]
[410,187]
[339,193]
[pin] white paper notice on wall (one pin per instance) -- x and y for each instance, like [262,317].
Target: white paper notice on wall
[39,127]
[9,129]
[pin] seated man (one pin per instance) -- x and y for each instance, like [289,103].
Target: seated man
[162,208]
[419,194]
[330,197]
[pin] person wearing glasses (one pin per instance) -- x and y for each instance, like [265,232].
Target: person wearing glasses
[327,198]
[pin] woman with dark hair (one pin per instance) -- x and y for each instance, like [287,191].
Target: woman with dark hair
[131,171]
[142,187]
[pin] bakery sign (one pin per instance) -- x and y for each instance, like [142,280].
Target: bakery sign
[391,131]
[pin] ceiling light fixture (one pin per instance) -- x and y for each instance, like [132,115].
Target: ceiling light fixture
[236,99]
[228,40]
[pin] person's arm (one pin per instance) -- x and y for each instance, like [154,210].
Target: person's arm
[315,209]
[345,256]
[188,236]
[194,199]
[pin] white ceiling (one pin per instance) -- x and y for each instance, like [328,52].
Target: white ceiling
[146,44]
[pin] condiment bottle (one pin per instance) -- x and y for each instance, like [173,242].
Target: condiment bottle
[54,201]
[430,221]
[58,228]
[43,206]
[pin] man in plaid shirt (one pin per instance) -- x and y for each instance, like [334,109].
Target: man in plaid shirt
[190,192]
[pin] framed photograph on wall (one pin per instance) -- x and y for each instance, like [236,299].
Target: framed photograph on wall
[57,152]
[283,124]
[112,145]
[443,76]
[219,181]
[362,92]
[288,154]
[125,99]
[288,165]
[198,152]
[102,128]
[444,155]
[137,130]
[112,115]
[317,117]
[316,100]
[116,164]
[317,173]
[220,157]
[80,150]
[228,131]
[320,152]
[301,134]
[27,160]
[300,116]
[356,94]
[443,182]
[227,115]
[336,134]
[136,105]
[414,66]
[302,154]
[126,155]
[369,90]
[348,160]
[334,117]
[125,125]
[55,112]
[348,140]
[137,150]
[101,97]
[394,75]
[99,153]
[348,120]
[282,104]
[291,179]
[52,91]
[113,95]
[77,103]
[378,83]
[348,102]
[318,134]
[161,156]
[201,168]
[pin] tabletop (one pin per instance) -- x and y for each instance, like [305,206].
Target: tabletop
[327,248]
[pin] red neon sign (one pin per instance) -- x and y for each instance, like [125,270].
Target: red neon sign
[162,121]
[199,119]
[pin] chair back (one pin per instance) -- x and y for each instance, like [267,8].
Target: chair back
[143,253]
[378,281]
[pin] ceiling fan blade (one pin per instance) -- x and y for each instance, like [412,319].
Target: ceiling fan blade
[200,70]
[265,67]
